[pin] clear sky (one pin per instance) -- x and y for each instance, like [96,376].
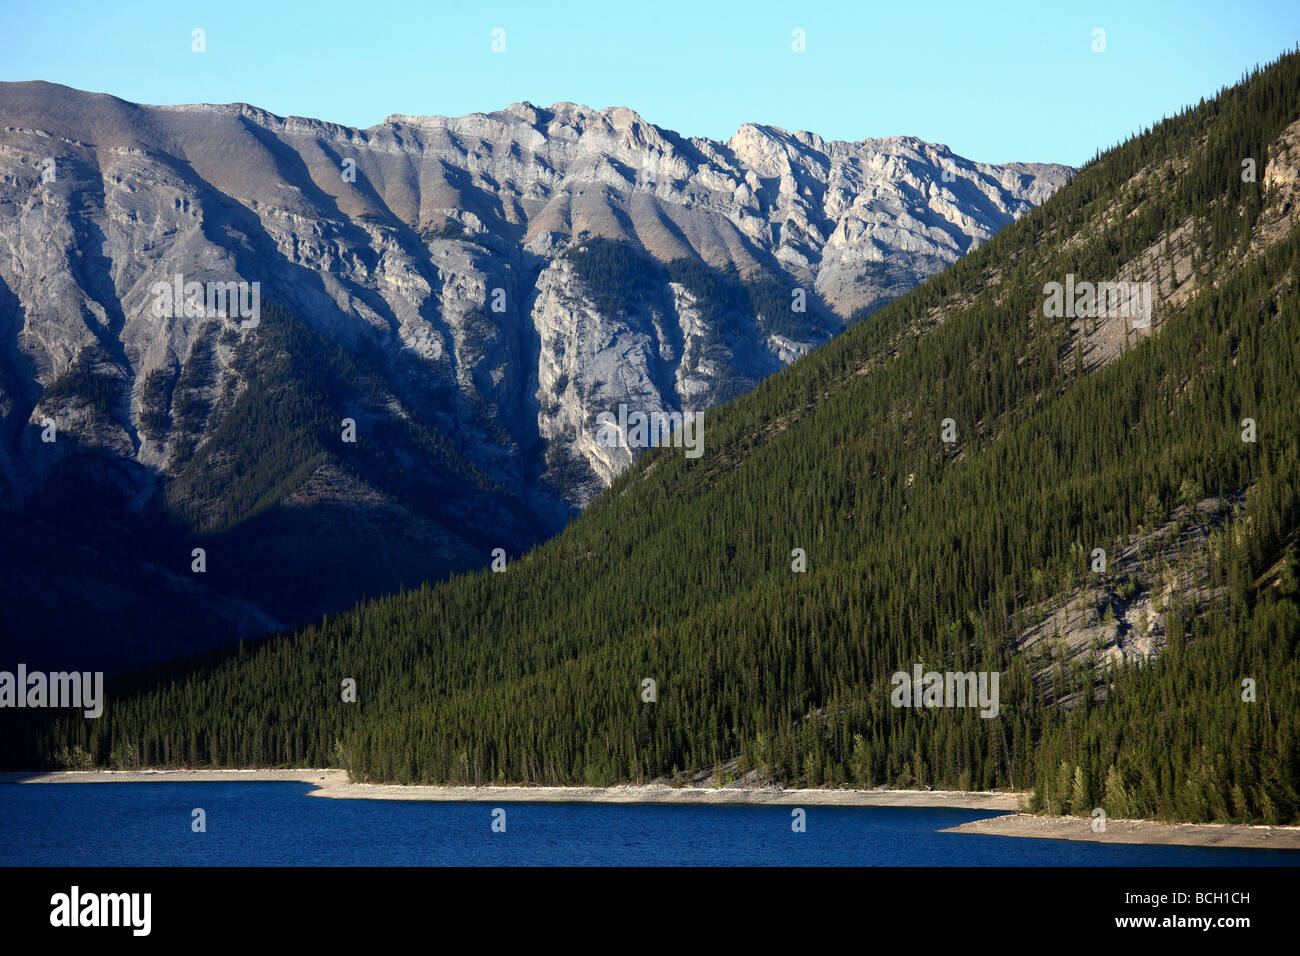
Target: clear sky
[995,81]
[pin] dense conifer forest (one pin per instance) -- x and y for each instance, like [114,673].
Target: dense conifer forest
[917,551]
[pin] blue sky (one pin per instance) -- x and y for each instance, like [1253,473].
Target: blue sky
[996,81]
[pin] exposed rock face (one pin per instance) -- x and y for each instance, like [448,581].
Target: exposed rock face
[436,252]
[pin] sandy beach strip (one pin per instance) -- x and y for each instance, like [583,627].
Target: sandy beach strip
[334,783]
[330,778]
[661,794]
[1136,831]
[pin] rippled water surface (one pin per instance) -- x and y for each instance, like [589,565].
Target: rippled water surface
[259,824]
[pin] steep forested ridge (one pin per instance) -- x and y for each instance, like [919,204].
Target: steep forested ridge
[917,550]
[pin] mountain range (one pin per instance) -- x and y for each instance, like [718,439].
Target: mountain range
[1100,508]
[445,307]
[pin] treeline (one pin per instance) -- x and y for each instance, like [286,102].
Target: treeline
[87,382]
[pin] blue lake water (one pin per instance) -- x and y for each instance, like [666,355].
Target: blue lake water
[264,824]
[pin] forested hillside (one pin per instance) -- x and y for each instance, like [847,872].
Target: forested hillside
[917,549]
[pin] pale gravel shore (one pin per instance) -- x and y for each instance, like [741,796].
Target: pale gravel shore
[1136,831]
[660,794]
[334,783]
[330,778]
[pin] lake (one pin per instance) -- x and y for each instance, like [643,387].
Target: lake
[277,824]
